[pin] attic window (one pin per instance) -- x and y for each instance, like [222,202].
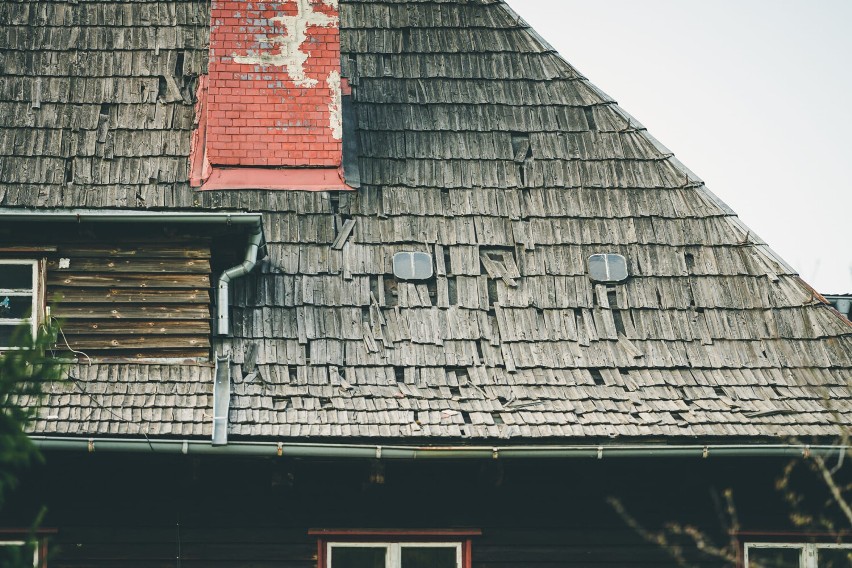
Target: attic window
[412,265]
[607,268]
[18,297]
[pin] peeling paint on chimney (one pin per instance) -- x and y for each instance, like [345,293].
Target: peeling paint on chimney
[290,52]
[335,116]
[274,84]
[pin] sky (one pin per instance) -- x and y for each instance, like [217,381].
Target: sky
[754,96]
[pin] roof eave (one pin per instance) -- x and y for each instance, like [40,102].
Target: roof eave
[419,452]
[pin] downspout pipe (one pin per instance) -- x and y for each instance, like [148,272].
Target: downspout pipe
[254,246]
[374,451]
[221,400]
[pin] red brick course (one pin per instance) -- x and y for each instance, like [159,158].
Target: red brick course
[259,113]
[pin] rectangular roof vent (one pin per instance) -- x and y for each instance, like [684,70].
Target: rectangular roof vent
[607,268]
[412,265]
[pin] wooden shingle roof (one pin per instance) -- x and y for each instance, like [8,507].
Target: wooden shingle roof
[476,139]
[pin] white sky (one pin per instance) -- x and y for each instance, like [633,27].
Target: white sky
[754,96]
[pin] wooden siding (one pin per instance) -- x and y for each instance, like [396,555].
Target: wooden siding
[140,300]
[155,511]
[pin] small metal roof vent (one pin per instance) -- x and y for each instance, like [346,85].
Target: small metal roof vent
[412,265]
[607,268]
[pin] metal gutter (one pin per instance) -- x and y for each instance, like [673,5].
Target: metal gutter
[129,216]
[396,452]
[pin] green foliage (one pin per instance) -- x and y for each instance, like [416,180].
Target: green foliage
[24,374]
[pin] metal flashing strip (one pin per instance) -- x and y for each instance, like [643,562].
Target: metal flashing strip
[130,216]
[397,452]
[285,179]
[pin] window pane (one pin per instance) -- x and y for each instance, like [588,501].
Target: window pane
[428,557]
[16,276]
[12,554]
[15,307]
[774,557]
[358,557]
[834,557]
[5,341]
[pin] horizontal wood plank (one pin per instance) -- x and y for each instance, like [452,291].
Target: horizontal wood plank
[132,311]
[150,265]
[129,250]
[128,280]
[134,327]
[130,296]
[151,341]
[146,356]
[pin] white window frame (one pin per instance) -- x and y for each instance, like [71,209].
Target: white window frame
[808,552]
[34,293]
[393,557]
[37,548]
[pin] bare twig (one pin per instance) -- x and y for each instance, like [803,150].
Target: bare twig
[659,538]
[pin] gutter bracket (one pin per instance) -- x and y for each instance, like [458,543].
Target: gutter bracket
[600,452]
[91,445]
[706,453]
[495,451]
[378,452]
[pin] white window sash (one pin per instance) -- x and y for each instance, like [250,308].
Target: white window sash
[33,293]
[24,543]
[393,550]
[808,555]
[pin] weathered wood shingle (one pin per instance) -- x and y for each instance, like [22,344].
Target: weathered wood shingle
[475,138]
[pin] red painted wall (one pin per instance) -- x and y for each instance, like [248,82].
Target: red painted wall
[274,84]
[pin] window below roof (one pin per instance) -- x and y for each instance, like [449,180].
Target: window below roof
[394,549]
[394,555]
[16,550]
[797,555]
[19,297]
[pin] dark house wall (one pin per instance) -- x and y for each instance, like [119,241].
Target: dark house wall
[152,511]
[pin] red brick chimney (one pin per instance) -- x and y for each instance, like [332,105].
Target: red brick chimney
[270,112]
